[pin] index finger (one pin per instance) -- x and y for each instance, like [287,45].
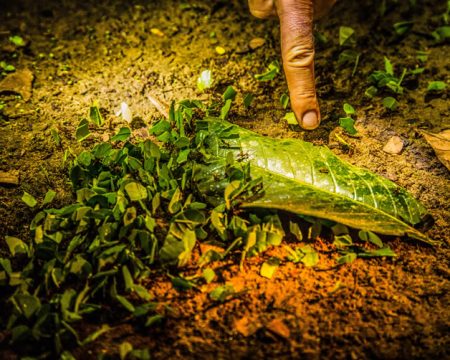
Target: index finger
[297,46]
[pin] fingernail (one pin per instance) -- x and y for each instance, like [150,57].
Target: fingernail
[310,120]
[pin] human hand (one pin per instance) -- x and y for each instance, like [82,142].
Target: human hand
[297,48]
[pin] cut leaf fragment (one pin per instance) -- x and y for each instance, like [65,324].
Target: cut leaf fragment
[348,124]
[390,103]
[82,131]
[436,86]
[272,70]
[136,191]
[221,293]
[269,267]
[17,40]
[346,259]
[290,118]
[122,135]
[346,36]
[370,237]
[29,199]
[16,246]
[49,196]
[95,116]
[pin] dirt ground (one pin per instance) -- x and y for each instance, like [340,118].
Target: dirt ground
[106,51]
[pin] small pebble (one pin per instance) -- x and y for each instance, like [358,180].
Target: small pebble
[256,43]
[394,145]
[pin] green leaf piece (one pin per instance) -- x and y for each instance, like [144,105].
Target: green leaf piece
[84,158]
[127,278]
[436,86]
[66,355]
[95,116]
[122,135]
[55,136]
[346,36]
[17,40]
[229,94]
[342,241]
[209,275]
[225,109]
[349,110]
[290,118]
[295,230]
[284,101]
[29,199]
[189,240]
[370,237]
[49,196]
[136,191]
[272,70]
[7,67]
[403,27]
[310,257]
[390,103]
[441,34]
[388,67]
[16,246]
[347,258]
[371,91]
[386,251]
[269,267]
[320,38]
[422,56]
[125,303]
[27,304]
[348,124]
[171,249]
[221,293]
[96,334]
[82,131]
[124,349]
[349,56]
[248,99]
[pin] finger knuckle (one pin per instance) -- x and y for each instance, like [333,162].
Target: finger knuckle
[306,94]
[300,56]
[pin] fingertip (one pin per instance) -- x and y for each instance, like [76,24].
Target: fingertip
[306,109]
[310,120]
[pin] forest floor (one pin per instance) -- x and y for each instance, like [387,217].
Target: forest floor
[105,51]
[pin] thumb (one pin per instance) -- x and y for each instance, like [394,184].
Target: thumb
[297,47]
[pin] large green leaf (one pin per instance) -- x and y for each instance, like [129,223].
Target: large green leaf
[310,180]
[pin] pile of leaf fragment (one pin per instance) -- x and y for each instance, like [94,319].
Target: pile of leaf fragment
[142,206]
